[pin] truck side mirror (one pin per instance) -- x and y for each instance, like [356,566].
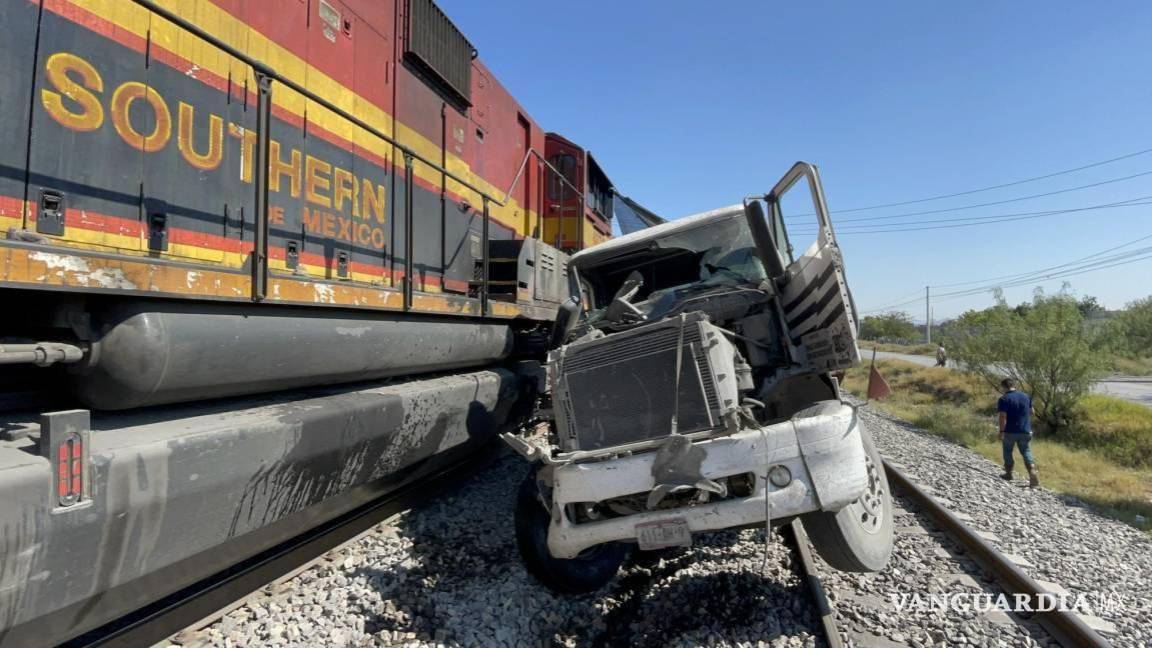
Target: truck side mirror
[567,317]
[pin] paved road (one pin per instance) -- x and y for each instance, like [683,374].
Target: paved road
[1137,389]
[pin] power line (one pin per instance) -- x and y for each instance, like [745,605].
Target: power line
[1123,259]
[1145,257]
[979,219]
[990,188]
[1039,277]
[1145,254]
[994,202]
[891,306]
[1070,268]
[1013,277]
[951,223]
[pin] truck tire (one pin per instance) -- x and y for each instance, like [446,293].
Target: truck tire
[857,538]
[594,568]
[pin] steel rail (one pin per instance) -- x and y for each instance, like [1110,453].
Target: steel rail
[819,594]
[212,597]
[1065,627]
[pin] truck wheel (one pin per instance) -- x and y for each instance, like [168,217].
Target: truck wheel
[594,568]
[857,538]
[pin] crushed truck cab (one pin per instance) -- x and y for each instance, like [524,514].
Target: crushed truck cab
[692,387]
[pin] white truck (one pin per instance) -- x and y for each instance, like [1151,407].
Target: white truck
[692,387]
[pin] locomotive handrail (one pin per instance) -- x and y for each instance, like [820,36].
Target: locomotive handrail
[266,70]
[545,163]
[534,153]
[265,75]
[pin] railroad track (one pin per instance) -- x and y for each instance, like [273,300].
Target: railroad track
[209,599]
[1064,627]
[831,615]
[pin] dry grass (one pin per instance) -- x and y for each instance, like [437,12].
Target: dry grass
[1120,430]
[1132,366]
[1119,364]
[1106,461]
[911,349]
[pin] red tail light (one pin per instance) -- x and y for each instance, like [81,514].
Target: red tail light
[70,471]
[64,442]
[77,467]
[63,486]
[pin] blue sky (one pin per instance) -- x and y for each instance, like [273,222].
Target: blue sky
[692,105]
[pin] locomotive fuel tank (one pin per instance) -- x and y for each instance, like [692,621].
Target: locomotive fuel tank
[151,353]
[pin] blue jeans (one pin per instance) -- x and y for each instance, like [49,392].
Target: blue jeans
[1021,441]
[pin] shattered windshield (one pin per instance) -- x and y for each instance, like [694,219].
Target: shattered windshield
[726,251]
[714,254]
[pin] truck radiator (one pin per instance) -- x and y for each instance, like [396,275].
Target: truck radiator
[621,389]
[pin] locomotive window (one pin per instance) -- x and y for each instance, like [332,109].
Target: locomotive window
[566,164]
[600,199]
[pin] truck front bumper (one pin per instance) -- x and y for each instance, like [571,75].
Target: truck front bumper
[822,449]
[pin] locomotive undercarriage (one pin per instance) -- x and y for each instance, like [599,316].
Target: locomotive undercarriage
[165,496]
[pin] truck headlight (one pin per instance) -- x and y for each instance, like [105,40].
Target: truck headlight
[780,476]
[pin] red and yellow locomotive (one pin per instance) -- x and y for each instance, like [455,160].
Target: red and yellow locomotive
[315,240]
[332,154]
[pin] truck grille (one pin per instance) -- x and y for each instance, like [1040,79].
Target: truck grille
[621,389]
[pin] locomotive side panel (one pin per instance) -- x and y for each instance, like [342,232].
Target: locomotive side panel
[374,85]
[94,116]
[144,136]
[17,59]
[419,113]
[330,55]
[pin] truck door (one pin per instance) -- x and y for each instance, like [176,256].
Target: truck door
[818,310]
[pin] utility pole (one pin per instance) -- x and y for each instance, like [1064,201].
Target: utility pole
[928,312]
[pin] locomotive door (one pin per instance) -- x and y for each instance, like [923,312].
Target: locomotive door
[564,198]
[529,224]
[371,165]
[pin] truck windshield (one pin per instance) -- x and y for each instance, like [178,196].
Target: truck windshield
[725,250]
[716,252]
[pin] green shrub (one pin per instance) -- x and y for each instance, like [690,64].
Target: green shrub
[1120,430]
[893,325]
[1135,324]
[1043,346]
[1103,461]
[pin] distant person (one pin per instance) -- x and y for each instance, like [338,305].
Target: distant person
[941,356]
[1015,408]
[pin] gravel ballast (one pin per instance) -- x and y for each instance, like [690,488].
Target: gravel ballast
[448,573]
[1105,565]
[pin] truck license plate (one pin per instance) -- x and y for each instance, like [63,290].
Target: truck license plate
[664,533]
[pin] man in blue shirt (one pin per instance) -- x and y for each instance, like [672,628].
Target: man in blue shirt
[1015,409]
